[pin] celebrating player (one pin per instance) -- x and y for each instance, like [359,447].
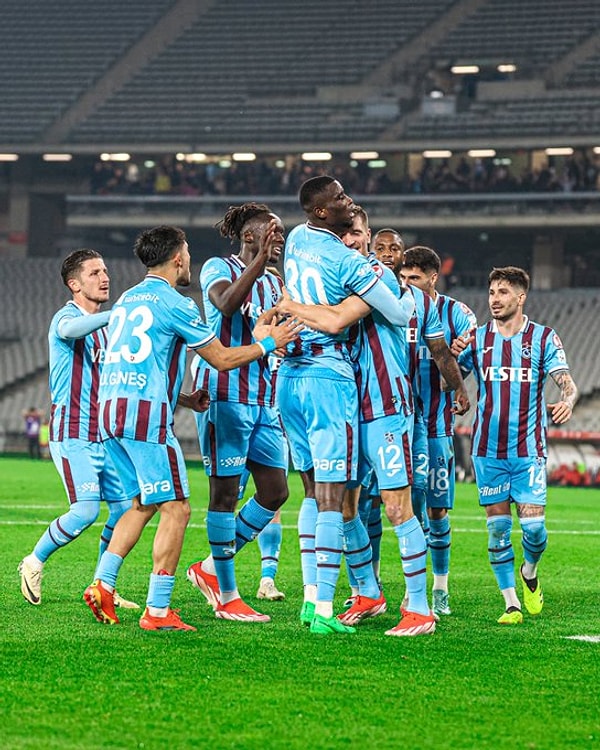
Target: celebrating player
[241,427]
[511,358]
[76,343]
[421,269]
[149,329]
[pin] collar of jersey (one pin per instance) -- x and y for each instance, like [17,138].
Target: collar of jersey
[521,329]
[321,229]
[153,277]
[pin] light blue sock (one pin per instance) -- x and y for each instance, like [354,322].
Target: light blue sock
[439,545]
[66,528]
[108,568]
[375,530]
[364,510]
[500,550]
[250,521]
[357,550]
[160,590]
[220,528]
[115,511]
[413,553]
[418,496]
[328,549]
[269,543]
[535,538]
[307,522]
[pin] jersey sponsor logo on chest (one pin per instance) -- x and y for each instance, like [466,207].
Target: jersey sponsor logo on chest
[512,374]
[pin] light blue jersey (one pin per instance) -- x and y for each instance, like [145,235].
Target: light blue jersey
[320,269]
[74,379]
[252,383]
[150,327]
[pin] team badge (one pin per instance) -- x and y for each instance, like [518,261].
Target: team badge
[389,437]
[526,351]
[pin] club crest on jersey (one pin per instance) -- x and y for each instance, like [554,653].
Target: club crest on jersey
[389,437]
[526,351]
[441,461]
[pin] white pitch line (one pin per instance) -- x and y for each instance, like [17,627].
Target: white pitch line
[586,638]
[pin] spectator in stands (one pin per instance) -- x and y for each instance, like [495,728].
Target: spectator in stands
[33,420]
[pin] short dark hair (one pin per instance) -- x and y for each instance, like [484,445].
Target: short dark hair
[514,275]
[71,265]
[155,246]
[234,221]
[311,189]
[422,257]
[389,230]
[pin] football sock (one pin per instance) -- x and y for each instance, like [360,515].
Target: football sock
[534,541]
[221,539]
[115,511]
[250,521]
[307,521]
[500,551]
[351,577]
[328,550]
[439,544]
[269,543]
[159,593]
[310,593]
[357,550]
[65,528]
[375,530]
[413,553]
[34,562]
[418,497]
[510,598]
[108,569]
[208,565]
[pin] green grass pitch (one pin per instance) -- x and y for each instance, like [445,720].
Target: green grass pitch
[70,683]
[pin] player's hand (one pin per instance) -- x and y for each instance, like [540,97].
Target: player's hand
[285,303]
[460,344]
[271,244]
[198,400]
[270,323]
[560,412]
[461,403]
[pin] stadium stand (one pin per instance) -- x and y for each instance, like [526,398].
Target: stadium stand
[253,71]
[54,59]
[164,75]
[530,33]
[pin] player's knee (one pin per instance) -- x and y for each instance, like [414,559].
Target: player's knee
[499,528]
[85,513]
[534,534]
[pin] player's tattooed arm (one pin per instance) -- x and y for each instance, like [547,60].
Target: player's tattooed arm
[561,410]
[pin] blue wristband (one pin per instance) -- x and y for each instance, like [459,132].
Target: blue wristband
[268,344]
